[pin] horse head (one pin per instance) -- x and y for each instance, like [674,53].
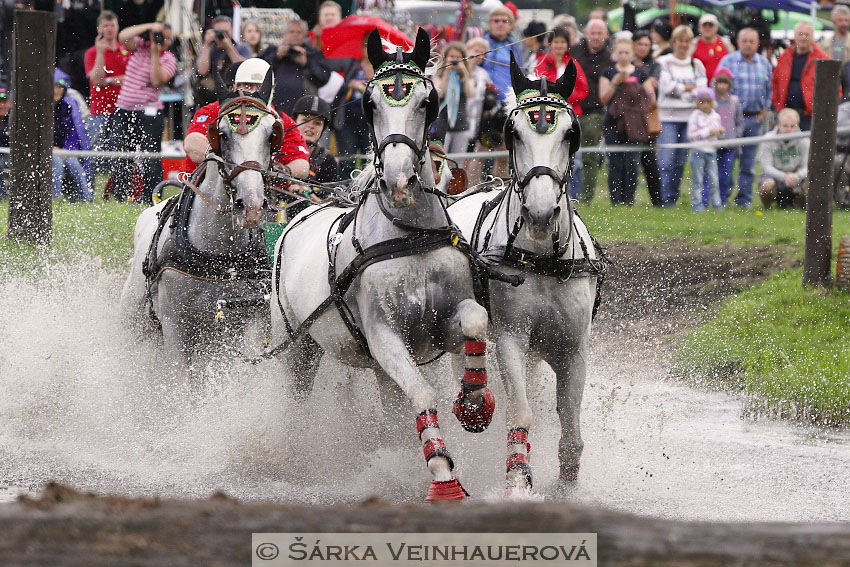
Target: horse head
[245,135]
[400,103]
[542,136]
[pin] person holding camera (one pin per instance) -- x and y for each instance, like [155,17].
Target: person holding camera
[139,116]
[219,53]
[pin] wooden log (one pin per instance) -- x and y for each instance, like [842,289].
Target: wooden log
[31,125]
[66,528]
[817,266]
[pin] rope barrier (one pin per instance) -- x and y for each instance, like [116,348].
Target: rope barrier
[602,148]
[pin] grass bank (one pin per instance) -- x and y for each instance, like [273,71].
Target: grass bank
[784,346]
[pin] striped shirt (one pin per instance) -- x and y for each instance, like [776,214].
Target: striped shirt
[750,80]
[137,93]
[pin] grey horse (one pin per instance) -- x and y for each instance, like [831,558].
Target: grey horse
[191,251]
[400,289]
[531,228]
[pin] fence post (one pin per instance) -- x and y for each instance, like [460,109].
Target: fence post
[819,201]
[31,121]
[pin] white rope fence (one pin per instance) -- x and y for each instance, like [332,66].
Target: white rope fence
[602,148]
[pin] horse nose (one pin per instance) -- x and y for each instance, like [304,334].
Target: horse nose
[539,219]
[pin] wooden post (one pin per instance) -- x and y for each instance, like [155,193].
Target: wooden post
[31,124]
[819,201]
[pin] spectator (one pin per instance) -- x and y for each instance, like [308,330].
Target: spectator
[69,133]
[837,46]
[710,47]
[5,107]
[252,36]
[553,64]
[313,115]
[475,48]
[497,63]
[681,76]
[297,65]
[704,125]
[105,63]
[784,165]
[247,78]
[794,75]
[219,52]
[455,85]
[139,120]
[624,84]
[661,31]
[732,119]
[648,159]
[534,45]
[568,23]
[593,55]
[330,14]
[751,83]
[349,124]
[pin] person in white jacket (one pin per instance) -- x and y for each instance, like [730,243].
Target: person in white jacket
[680,78]
[784,165]
[704,125]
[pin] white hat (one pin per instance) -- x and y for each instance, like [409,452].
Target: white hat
[251,71]
[708,18]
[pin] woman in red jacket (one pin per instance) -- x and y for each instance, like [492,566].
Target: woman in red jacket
[552,65]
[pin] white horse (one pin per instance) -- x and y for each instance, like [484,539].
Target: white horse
[531,228]
[399,290]
[208,244]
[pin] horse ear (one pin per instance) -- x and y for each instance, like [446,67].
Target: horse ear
[221,91]
[518,79]
[438,129]
[567,82]
[421,50]
[375,49]
[265,92]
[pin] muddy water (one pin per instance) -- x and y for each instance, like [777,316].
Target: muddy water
[86,403]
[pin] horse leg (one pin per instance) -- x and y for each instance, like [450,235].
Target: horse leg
[395,360]
[302,360]
[512,357]
[570,374]
[475,403]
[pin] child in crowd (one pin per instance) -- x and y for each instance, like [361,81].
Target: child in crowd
[704,125]
[784,165]
[732,118]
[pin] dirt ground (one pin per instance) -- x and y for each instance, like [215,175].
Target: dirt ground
[651,295]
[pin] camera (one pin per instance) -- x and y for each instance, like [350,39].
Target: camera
[158,38]
[220,35]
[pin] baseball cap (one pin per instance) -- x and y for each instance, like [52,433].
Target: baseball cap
[708,19]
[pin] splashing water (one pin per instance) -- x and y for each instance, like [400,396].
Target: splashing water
[85,402]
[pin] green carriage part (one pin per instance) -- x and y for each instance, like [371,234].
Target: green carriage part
[272,231]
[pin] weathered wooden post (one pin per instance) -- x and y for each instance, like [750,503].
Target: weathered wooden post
[31,124]
[819,201]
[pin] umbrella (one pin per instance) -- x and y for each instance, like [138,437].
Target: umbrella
[346,38]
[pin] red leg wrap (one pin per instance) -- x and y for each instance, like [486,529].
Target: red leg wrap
[426,419]
[475,347]
[519,436]
[446,490]
[516,459]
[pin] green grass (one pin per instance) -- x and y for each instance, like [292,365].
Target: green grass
[781,344]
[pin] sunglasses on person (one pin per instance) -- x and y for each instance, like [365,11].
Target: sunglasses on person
[500,21]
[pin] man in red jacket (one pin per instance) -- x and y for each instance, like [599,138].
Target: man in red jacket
[794,75]
[249,76]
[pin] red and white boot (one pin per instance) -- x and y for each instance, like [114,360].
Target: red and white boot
[434,446]
[518,470]
[475,416]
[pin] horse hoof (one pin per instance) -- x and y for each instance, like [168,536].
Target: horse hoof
[475,419]
[446,490]
[568,474]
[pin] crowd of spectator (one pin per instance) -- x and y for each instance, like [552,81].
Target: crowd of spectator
[698,88]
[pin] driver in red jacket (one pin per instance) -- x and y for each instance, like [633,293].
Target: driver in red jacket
[249,76]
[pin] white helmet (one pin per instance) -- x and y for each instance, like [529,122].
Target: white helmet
[253,71]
